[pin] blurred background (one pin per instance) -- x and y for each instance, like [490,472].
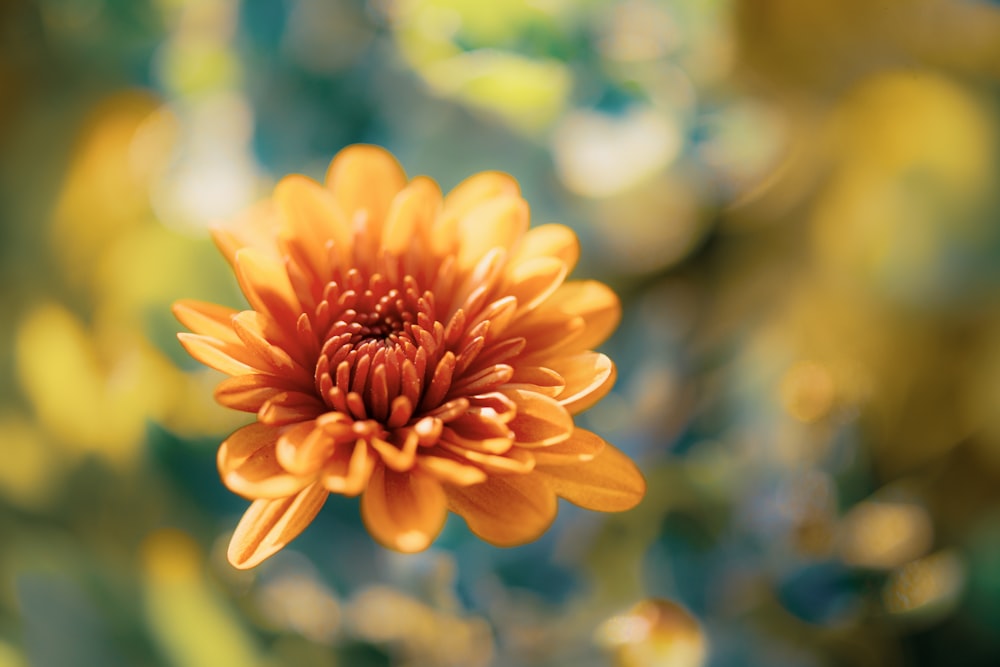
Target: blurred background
[798,202]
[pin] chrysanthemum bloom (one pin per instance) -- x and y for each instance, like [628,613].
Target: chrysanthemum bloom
[422,351]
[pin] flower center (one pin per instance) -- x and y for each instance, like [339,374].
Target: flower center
[384,353]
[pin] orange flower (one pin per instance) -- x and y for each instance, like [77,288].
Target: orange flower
[422,351]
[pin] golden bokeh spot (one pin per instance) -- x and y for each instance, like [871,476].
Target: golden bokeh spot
[884,535]
[925,585]
[30,468]
[808,391]
[170,556]
[654,632]
[303,604]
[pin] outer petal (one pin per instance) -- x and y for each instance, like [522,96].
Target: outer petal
[505,511]
[403,511]
[364,179]
[596,303]
[449,470]
[304,448]
[256,228]
[250,392]
[582,446]
[206,319]
[540,420]
[412,211]
[229,358]
[248,466]
[532,281]
[265,284]
[268,525]
[588,302]
[495,223]
[551,240]
[313,219]
[476,189]
[589,376]
[610,482]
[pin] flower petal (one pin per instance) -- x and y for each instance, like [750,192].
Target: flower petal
[587,302]
[495,223]
[540,420]
[260,476]
[550,240]
[476,189]
[505,510]
[596,303]
[349,468]
[206,319]
[257,227]
[450,471]
[313,219]
[290,407]
[364,179]
[229,358]
[265,284]
[414,209]
[610,482]
[403,511]
[582,446]
[248,466]
[514,460]
[589,376]
[243,442]
[250,392]
[251,328]
[268,525]
[304,448]
[533,281]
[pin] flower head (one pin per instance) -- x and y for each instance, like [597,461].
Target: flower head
[425,352]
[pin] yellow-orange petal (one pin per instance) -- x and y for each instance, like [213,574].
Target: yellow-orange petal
[538,379]
[516,460]
[495,223]
[403,511]
[534,280]
[243,442]
[476,189]
[540,420]
[268,525]
[589,376]
[505,510]
[596,303]
[249,392]
[610,482]
[364,179]
[412,211]
[577,317]
[250,327]
[247,464]
[313,218]
[261,476]
[304,448]
[206,319]
[266,286]
[229,358]
[349,468]
[450,471]
[582,446]
[550,240]
[256,228]
[398,457]
[290,407]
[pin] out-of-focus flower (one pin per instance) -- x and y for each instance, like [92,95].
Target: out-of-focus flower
[422,351]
